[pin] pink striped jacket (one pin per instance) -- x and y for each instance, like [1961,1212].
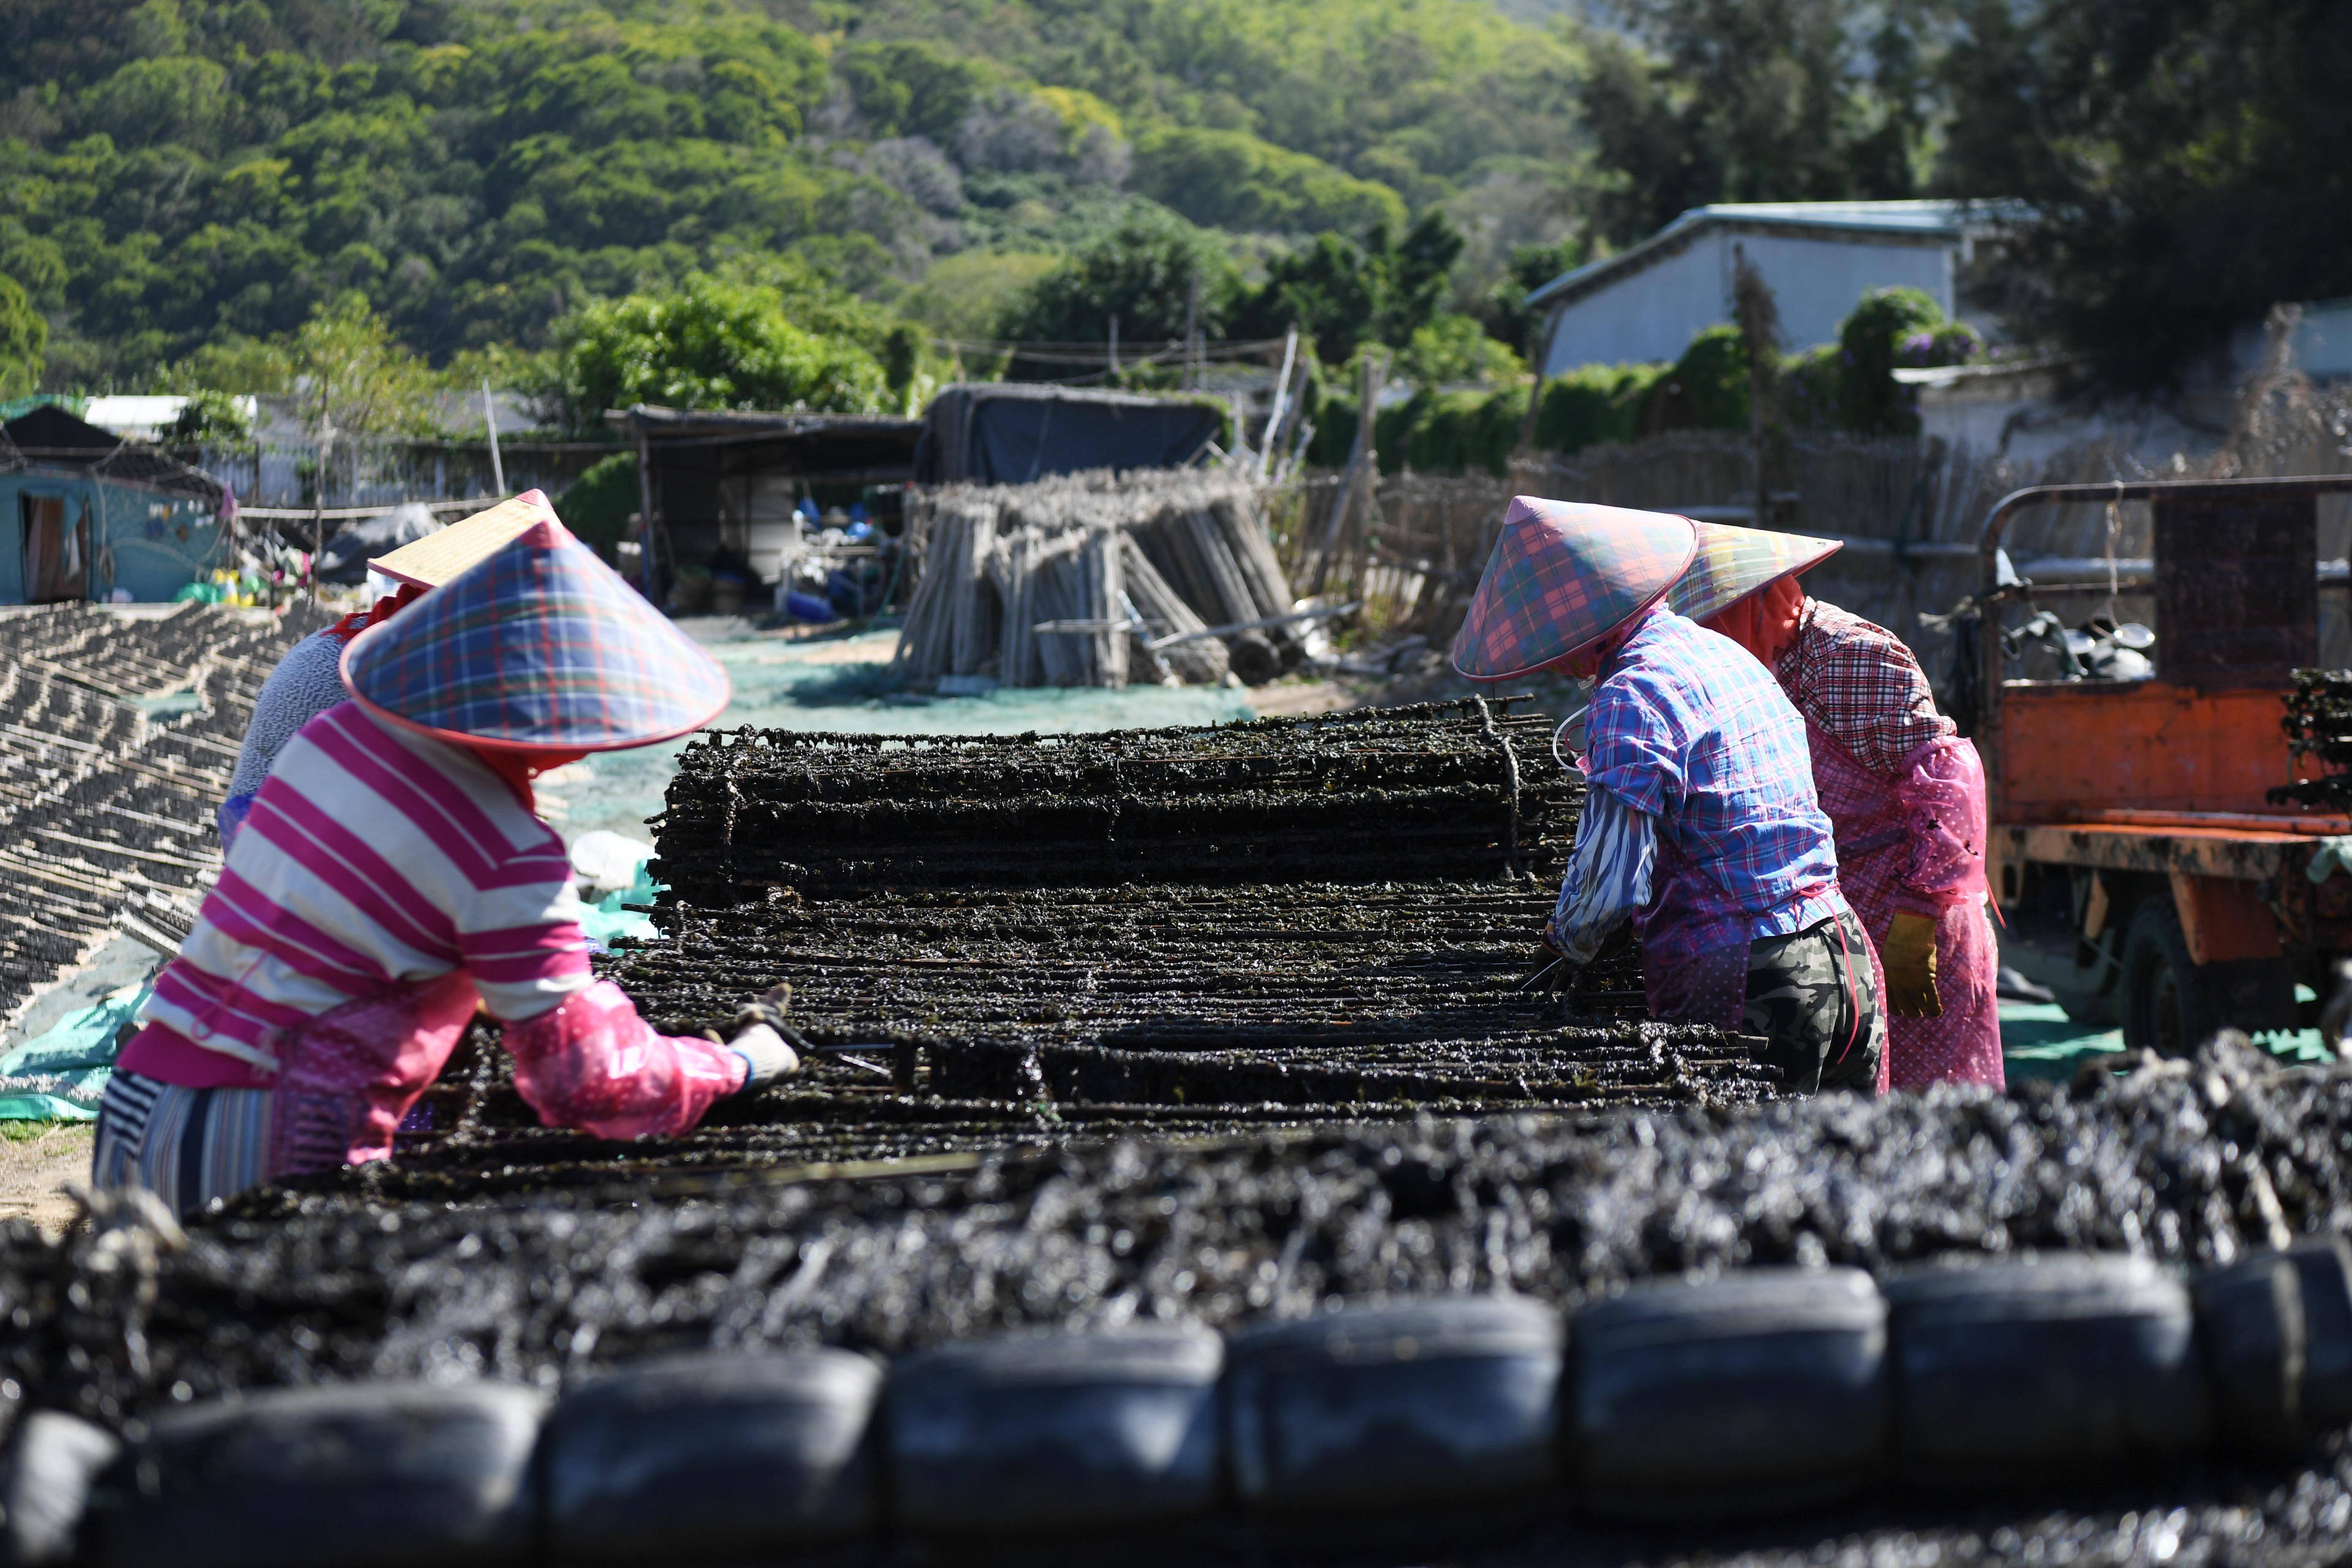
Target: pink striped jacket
[376,863]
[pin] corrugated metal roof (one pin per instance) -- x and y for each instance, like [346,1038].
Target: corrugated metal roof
[1914,220]
[50,437]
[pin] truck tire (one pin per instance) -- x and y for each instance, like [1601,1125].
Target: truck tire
[367,1475]
[2250,1330]
[2068,1367]
[1758,1392]
[712,1456]
[1037,1433]
[1413,1404]
[2165,1007]
[2324,1266]
[2093,993]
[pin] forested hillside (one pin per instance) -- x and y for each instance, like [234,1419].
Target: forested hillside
[175,176]
[189,186]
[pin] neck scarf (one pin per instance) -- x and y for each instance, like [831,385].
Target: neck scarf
[1764,623]
[383,610]
[518,768]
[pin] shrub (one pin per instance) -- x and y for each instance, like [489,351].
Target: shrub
[1870,345]
[596,505]
[1594,403]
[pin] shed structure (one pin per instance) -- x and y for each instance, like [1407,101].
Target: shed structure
[85,514]
[723,482]
[1646,302]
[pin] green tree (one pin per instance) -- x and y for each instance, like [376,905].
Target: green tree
[24,337]
[1593,404]
[910,86]
[208,418]
[970,296]
[1891,327]
[1504,311]
[1344,294]
[1330,289]
[598,504]
[1452,348]
[1148,273]
[711,344]
[346,374]
[2182,165]
[1231,179]
[1707,387]
[1743,101]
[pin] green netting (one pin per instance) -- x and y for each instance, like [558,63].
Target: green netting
[2037,1040]
[61,1075]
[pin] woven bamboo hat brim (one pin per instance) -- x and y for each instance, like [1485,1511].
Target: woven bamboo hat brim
[538,648]
[435,559]
[1733,562]
[1563,577]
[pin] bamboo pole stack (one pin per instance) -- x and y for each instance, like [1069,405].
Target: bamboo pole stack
[1107,564]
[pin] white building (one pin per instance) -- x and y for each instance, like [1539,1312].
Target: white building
[145,418]
[1646,302]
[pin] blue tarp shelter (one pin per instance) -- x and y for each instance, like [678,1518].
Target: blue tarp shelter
[1009,433]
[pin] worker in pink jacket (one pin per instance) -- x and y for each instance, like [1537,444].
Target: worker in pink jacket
[309,679]
[1905,793]
[391,875]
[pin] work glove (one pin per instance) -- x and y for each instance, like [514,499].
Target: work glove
[1909,957]
[764,1040]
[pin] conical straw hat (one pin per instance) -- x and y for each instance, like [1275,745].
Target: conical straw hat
[1733,562]
[435,559]
[539,647]
[1563,577]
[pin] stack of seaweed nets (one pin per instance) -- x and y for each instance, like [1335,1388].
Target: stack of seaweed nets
[2318,725]
[117,741]
[995,942]
[2192,1162]
[1130,572]
[1464,790]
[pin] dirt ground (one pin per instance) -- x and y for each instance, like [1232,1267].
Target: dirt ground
[35,1162]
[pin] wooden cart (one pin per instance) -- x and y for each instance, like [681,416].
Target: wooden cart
[2140,872]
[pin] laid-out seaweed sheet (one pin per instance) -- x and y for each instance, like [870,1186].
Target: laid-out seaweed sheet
[2192,1162]
[117,741]
[949,1022]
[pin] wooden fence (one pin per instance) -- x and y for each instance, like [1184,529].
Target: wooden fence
[387,473]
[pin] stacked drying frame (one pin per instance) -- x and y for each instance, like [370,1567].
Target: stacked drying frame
[1024,942]
[117,739]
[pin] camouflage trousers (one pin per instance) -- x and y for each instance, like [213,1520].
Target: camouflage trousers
[1814,1001]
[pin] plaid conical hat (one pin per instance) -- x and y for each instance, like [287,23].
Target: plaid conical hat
[539,647]
[1733,562]
[1563,577]
[438,557]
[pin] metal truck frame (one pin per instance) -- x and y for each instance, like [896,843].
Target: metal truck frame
[2139,870]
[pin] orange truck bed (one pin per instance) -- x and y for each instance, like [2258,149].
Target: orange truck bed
[2144,776]
[2089,748]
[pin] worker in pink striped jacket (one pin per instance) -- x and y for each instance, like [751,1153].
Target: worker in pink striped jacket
[391,875]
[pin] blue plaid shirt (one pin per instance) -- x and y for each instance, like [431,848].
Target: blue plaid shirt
[1688,727]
